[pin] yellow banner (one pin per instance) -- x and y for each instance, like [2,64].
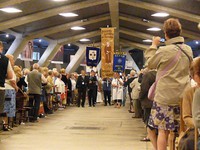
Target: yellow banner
[107,51]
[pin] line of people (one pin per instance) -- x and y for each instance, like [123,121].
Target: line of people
[174,109]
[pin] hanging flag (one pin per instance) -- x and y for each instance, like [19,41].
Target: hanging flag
[119,63]
[27,53]
[107,51]
[92,56]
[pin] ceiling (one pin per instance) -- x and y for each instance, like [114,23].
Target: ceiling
[40,19]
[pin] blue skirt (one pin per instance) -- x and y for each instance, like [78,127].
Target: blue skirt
[10,102]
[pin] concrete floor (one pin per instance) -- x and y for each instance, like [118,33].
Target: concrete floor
[99,128]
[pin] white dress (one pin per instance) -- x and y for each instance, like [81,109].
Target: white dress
[117,92]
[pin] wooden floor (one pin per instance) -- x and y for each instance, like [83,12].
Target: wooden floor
[89,128]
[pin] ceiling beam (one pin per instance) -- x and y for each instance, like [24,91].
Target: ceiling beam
[11,3]
[53,49]
[114,13]
[154,7]
[66,26]
[78,37]
[135,33]
[49,13]
[133,44]
[136,20]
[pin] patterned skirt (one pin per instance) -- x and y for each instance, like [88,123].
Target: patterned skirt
[10,102]
[164,117]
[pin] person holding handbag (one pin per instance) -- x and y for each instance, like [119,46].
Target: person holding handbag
[172,63]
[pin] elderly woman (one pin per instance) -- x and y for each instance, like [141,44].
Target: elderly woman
[196,101]
[187,140]
[172,63]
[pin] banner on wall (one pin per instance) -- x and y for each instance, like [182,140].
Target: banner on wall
[58,58]
[92,56]
[119,63]
[107,51]
[27,53]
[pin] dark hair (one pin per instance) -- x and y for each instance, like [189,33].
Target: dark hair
[195,67]
[172,28]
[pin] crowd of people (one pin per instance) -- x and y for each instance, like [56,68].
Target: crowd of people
[168,74]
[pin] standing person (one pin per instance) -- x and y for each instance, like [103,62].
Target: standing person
[195,71]
[73,81]
[165,111]
[10,95]
[35,80]
[5,73]
[135,85]
[92,89]
[147,80]
[66,101]
[117,87]
[69,90]
[60,89]
[131,78]
[124,78]
[107,91]
[81,85]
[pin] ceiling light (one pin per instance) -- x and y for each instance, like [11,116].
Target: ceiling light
[68,14]
[147,41]
[84,40]
[11,10]
[145,20]
[77,28]
[7,35]
[59,0]
[161,14]
[154,29]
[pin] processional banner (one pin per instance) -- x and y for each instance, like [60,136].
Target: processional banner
[107,51]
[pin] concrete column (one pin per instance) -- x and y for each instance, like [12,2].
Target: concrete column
[17,46]
[99,67]
[129,58]
[49,53]
[78,58]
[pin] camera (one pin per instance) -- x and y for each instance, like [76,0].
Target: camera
[162,40]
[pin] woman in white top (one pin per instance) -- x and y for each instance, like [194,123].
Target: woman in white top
[117,89]
[60,88]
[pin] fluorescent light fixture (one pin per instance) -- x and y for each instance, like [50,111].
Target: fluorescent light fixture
[7,35]
[11,10]
[68,44]
[77,28]
[84,40]
[154,29]
[59,0]
[160,14]
[56,62]
[147,41]
[68,14]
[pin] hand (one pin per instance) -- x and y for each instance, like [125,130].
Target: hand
[156,41]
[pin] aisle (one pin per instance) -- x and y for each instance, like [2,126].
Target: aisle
[99,128]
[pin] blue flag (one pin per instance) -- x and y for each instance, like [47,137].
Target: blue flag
[92,56]
[119,63]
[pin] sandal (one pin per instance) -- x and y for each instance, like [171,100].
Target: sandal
[130,111]
[6,127]
[145,140]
